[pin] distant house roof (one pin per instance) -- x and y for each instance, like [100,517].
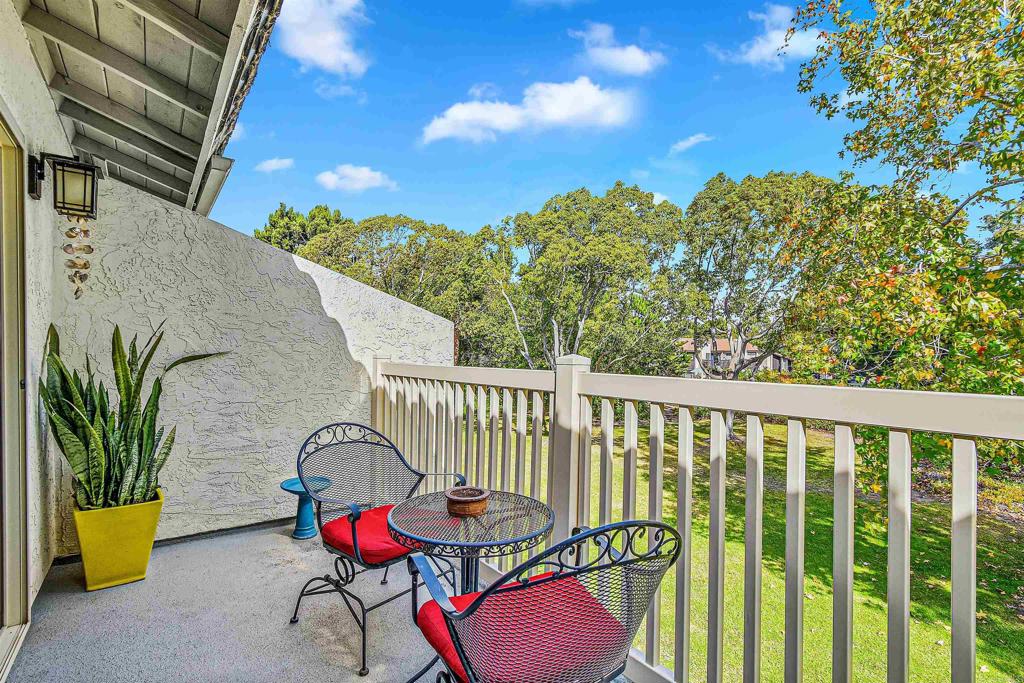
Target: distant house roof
[721,345]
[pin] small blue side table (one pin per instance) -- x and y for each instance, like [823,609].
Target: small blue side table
[305,520]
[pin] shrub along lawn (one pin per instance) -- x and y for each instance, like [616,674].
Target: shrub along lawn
[1000,570]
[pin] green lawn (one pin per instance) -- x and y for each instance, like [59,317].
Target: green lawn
[1000,642]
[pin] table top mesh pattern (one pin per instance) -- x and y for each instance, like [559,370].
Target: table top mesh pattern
[512,523]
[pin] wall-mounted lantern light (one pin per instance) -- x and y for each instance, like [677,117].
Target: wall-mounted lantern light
[74,184]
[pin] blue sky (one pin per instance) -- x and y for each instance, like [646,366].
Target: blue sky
[465,112]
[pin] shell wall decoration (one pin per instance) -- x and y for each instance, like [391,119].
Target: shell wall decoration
[77,249]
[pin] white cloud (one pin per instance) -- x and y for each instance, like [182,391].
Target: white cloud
[275,164]
[319,34]
[604,52]
[484,91]
[687,143]
[764,49]
[575,104]
[659,198]
[349,178]
[329,91]
[332,91]
[239,132]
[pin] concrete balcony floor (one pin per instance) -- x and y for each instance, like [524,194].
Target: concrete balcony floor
[217,609]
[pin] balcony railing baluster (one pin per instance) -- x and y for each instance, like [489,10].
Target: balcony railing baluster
[607,466]
[753,536]
[964,554]
[796,492]
[492,439]
[441,429]
[655,497]
[716,549]
[519,480]
[459,429]
[415,423]
[586,456]
[549,450]
[842,555]
[521,425]
[480,474]
[537,435]
[899,557]
[506,439]
[428,456]
[469,454]
[684,522]
[629,460]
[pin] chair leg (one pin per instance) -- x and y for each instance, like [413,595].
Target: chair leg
[324,581]
[384,581]
[323,585]
[360,620]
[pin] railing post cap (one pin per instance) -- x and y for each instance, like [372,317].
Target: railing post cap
[572,359]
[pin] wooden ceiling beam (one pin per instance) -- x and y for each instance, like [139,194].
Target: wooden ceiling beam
[87,144]
[88,117]
[111,59]
[180,23]
[123,115]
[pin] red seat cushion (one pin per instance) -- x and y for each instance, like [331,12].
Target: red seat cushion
[375,543]
[539,632]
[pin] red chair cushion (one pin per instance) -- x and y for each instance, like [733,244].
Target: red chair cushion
[515,651]
[375,543]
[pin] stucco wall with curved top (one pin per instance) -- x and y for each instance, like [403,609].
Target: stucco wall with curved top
[301,341]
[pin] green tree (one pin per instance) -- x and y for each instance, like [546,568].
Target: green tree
[930,86]
[749,252]
[913,302]
[582,265]
[289,229]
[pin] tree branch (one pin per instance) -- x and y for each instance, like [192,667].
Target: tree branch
[960,207]
[515,320]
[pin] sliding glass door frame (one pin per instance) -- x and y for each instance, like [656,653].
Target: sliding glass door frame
[14,590]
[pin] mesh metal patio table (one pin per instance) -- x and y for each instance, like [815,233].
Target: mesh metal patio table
[513,523]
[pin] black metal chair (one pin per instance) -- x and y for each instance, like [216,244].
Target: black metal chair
[568,615]
[355,475]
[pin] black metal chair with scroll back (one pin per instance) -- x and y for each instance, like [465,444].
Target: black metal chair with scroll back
[355,476]
[568,615]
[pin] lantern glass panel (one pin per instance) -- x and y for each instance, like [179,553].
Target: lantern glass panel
[74,192]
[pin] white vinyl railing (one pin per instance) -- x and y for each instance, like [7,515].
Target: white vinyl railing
[492,424]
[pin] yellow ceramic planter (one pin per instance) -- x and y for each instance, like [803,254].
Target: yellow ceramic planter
[116,542]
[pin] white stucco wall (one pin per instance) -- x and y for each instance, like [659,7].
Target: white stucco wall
[301,340]
[26,105]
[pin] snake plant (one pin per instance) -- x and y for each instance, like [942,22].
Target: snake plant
[115,452]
